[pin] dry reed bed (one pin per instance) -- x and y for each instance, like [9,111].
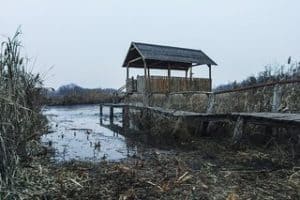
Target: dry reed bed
[210,171]
[20,119]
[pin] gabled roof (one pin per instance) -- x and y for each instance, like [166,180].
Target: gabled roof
[162,57]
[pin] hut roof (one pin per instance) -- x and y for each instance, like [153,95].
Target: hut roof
[162,57]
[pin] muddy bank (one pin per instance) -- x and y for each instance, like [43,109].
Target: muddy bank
[212,171]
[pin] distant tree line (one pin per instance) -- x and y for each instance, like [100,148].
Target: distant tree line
[72,94]
[284,72]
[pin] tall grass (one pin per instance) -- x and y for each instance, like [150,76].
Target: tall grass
[19,110]
[272,73]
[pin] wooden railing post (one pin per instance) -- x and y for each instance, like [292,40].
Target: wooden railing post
[169,78]
[210,81]
[127,72]
[101,110]
[191,78]
[111,115]
[186,80]
[125,120]
[101,114]
[146,87]
[238,131]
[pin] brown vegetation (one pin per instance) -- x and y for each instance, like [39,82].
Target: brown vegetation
[272,74]
[20,119]
[212,170]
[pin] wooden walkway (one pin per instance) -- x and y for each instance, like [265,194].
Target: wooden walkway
[270,120]
[274,119]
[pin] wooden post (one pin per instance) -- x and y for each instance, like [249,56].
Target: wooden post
[149,80]
[127,74]
[191,78]
[191,72]
[210,81]
[145,95]
[101,110]
[169,78]
[133,87]
[111,115]
[101,114]
[238,132]
[145,75]
[125,115]
[186,79]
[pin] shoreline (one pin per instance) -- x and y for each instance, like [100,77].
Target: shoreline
[212,171]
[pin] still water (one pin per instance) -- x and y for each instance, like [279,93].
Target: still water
[75,133]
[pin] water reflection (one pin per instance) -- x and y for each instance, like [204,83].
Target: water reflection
[76,133]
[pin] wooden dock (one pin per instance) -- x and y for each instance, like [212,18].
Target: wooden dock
[254,117]
[285,120]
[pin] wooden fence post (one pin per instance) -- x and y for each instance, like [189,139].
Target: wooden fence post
[111,115]
[238,132]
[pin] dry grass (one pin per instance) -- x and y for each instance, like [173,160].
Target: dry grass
[212,171]
[20,118]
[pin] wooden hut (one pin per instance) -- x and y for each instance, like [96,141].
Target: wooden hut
[150,56]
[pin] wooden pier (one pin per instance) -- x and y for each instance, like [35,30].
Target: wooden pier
[285,120]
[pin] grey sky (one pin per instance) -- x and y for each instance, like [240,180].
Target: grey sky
[86,41]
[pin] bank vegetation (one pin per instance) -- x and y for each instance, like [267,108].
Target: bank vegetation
[289,71]
[20,118]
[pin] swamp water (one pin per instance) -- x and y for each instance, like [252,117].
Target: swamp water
[75,133]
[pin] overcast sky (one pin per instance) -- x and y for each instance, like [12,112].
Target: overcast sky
[86,41]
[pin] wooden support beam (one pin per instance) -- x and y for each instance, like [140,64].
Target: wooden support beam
[111,114]
[127,72]
[125,115]
[101,110]
[186,80]
[169,72]
[146,87]
[210,80]
[238,132]
[149,80]
[101,114]
[169,78]
[191,77]
[134,60]
[145,75]
[191,72]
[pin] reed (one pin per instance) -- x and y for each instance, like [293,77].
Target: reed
[19,109]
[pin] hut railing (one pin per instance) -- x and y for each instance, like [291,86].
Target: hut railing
[131,85]
[162,84]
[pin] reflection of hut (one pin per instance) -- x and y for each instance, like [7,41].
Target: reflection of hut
[149,56]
